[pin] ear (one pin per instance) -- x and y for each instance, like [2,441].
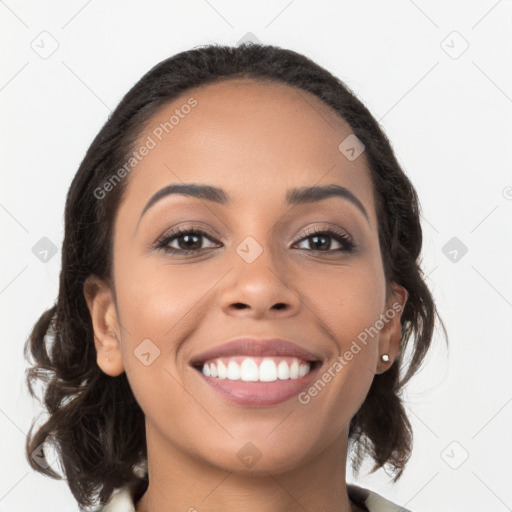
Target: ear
[107,335]
[391,333]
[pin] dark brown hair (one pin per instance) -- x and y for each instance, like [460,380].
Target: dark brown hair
[94,422]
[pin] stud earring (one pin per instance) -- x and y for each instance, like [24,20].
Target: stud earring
[384,358]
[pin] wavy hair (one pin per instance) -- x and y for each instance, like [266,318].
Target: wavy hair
[94,423]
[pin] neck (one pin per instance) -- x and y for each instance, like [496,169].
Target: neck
[180,481]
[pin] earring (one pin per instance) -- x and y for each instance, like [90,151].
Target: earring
[107,359]
[384,358]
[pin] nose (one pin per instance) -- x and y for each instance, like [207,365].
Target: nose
[259,288]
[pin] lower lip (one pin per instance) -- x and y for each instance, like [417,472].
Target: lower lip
[259,394]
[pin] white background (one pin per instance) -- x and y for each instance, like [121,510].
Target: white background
[447,114]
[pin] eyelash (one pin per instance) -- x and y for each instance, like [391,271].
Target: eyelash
[347,243]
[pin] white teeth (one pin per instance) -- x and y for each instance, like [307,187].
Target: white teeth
[248,371]
[303,370]
[294,370]
[283,370]
[233,371]
[222,371]
[268,370]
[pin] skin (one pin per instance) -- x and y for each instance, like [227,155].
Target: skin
[254,140]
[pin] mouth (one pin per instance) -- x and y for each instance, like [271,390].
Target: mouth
[257,373]
[256,369]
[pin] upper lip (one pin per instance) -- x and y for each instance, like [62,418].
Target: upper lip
[255,347]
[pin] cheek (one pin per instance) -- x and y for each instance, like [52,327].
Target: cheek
[155,299]
[158,308]
[347,304]
[346,300]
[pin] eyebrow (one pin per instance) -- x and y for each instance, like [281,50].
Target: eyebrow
[294,196]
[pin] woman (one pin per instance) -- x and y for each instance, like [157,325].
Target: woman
[239,283]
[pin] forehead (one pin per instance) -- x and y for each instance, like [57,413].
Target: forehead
[254,139]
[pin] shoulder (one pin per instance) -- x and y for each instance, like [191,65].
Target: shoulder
[373,501]
[122,500]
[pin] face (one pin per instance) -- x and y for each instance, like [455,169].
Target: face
[259,270]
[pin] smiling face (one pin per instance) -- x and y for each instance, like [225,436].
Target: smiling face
[258,271]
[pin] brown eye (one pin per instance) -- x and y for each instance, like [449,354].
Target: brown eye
[188,241]
[321,240]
